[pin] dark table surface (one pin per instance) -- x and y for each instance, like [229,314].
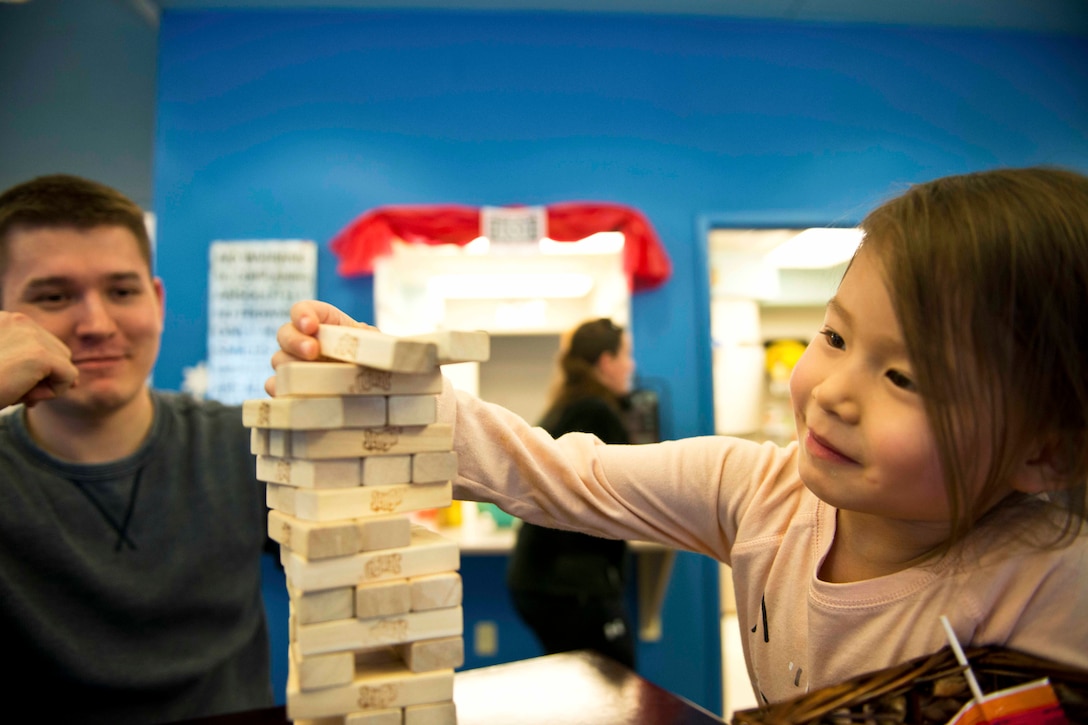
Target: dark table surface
[574,688]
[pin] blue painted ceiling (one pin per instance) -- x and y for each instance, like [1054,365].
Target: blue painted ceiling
[1048,16]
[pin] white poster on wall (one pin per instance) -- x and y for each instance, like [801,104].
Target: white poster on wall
[251,287]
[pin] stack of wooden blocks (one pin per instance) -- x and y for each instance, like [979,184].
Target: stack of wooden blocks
[349,450]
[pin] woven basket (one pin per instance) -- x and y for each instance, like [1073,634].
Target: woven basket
[926,690]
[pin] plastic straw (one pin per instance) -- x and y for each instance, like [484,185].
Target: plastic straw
[962,659]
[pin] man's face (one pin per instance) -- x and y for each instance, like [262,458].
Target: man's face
[92,289]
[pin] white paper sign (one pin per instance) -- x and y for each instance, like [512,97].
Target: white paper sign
[251,287]
[514,229]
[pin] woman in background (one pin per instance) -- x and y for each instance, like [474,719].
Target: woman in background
[568,587]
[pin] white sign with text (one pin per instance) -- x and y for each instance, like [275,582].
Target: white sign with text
[251,287]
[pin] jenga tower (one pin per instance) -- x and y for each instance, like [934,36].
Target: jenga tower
[349,450]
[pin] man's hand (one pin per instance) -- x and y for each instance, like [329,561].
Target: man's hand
[34,364]
[298,338]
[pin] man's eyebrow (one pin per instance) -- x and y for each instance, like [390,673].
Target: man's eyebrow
[59,279]
[54,281]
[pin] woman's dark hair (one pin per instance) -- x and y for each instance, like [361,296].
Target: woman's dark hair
[578,357]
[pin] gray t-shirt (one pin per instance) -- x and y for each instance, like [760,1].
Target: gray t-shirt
[130,591]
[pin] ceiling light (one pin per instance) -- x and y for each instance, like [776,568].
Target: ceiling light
[599,243]
[510,286]
[816,248]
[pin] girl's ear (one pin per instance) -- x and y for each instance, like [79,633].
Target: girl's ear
[1046,468]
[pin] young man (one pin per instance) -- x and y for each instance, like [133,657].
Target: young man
[131,523]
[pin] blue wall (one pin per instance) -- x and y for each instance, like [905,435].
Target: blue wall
[290,124]
[77,93]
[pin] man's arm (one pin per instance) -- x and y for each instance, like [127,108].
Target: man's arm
[34,364]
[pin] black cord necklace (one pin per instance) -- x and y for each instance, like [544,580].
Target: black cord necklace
[123,539]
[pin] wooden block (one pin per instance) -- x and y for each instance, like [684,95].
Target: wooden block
[433,713]
[364,412]
[331,720]
[428,553]
[435,591]
[314,413]
[433,654]
[336,472]
[391,716]
[332,504]
[311,540]
[376,349]
[457,346]
[352,634]
[322,540]
[299,379]
[384,532]
[315,672]
[434,466]
[258,442]
[412,409]
[385,470]
[261,413]
[280,498]
[279,443]
[383,599]
[352,442]
[302,472]
[326,605]
[392,686]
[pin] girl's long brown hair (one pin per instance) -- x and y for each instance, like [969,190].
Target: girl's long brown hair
[988,273]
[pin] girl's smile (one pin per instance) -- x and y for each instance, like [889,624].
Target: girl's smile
[819,448]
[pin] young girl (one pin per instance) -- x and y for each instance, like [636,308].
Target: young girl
[941,457]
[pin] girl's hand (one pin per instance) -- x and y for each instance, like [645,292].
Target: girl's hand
[298,338]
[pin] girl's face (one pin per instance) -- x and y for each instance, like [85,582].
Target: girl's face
[865,441]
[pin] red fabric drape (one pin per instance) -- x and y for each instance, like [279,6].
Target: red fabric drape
[371,235]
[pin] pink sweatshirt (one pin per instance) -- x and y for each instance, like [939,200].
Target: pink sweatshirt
[744,504]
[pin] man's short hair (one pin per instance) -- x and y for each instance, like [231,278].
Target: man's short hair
[61,200]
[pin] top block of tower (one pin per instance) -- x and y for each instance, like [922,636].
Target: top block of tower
[376,349]
[410,354]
